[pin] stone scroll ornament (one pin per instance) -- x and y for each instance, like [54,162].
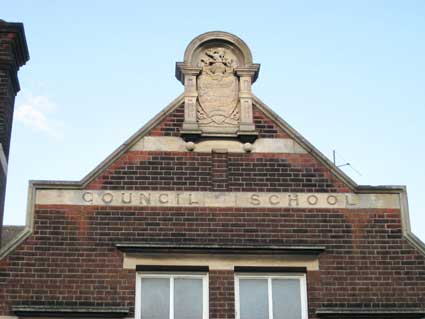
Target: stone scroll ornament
[218,89]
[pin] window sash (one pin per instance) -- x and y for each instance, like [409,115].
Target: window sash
[172,277]
[269,278]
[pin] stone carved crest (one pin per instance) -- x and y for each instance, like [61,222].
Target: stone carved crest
[218,89]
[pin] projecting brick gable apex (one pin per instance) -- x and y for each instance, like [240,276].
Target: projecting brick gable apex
[167,125]
[142,157]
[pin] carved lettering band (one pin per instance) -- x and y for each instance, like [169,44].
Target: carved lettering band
[216,199]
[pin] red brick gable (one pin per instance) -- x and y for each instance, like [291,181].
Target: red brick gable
[183,171]
[71,259]
[266,127]
[172,123]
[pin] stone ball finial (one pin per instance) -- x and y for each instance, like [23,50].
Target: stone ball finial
[190,146]
[248,147]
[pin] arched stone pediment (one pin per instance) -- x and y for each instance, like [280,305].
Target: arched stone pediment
[217,73]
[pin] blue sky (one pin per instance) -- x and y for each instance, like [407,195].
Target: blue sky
[348,75]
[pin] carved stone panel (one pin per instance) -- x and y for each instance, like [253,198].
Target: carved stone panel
[218,89]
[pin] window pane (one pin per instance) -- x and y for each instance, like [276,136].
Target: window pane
[286,299]
[187,298]
[155,295]
[253,299]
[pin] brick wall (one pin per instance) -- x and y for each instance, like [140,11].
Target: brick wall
[71,258]
[171,125]
[13,54]
[153,170]
[221,297]
[179,171]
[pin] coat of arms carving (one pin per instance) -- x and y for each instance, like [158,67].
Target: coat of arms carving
[218,89]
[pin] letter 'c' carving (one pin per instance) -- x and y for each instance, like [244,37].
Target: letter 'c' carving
[274,200]
[88,197]
[163,198]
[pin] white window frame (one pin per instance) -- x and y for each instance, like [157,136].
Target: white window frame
[172,276]
[269,277]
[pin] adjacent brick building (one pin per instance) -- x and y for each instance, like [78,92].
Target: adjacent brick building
[216,208]
[13,54]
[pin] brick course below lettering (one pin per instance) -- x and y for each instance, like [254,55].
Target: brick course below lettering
[71,259]
[177,171]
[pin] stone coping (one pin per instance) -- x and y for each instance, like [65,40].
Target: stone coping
[9,232]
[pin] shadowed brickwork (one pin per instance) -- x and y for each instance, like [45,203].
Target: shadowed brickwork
[171,125]
[71,258]
[184,171]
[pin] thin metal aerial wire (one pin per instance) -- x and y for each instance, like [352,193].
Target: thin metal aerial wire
[347,163]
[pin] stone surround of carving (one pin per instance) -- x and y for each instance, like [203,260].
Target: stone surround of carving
[217,73]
